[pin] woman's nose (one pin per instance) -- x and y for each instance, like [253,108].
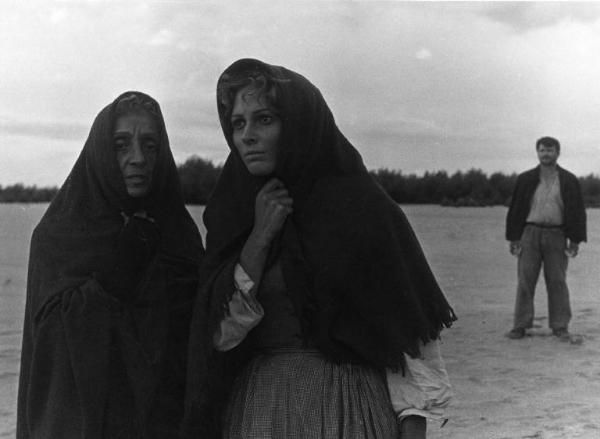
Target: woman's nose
[248,136]
[137,153]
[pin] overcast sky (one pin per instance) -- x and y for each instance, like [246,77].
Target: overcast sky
[414,86]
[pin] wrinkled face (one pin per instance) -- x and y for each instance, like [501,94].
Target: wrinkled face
[256,130]
[548,155]
[136,141]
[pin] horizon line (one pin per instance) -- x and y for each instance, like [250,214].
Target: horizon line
[401,171]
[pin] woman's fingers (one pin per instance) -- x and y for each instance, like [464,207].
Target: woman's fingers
[277,205]
[282,208]
[274,192]
[273,206]
[277,209]
[277,193]
[271,185]
[286,201]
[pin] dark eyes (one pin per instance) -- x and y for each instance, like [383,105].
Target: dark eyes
[121,144]
[262,119]
[237,124]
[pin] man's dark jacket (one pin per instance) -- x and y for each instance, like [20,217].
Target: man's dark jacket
[570,191]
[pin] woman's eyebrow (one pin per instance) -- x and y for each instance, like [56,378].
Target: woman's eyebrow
[258,110]
[122,134]
[128,134]
[149,135]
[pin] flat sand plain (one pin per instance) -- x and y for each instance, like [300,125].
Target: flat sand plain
[537,387]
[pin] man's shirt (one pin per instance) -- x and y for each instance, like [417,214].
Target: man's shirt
[547,206]
[574,216]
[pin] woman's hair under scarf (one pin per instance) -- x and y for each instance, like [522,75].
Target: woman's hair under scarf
[358,277]
[76,236]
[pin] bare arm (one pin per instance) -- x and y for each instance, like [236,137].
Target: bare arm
[272,207]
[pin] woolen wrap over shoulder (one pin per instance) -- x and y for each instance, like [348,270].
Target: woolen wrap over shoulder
[77,339]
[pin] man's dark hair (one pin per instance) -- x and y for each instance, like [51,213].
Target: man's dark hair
[548,142]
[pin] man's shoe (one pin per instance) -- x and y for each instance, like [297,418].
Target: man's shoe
[562,334]
[516,333]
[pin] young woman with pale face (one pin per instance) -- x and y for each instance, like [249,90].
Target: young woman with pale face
[314,282]
[256,131]
[256,134]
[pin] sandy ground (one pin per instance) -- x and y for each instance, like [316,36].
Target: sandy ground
[537,387]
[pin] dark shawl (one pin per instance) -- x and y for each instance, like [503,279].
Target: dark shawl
[359,280]
[92,366]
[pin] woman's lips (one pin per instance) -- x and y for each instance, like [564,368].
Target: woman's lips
[137,179]
[254,155]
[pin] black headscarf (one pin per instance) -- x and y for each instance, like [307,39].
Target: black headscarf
[358,277]
[72,243]
[85,217]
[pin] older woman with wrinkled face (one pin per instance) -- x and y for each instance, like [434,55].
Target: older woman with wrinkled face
[319,315]
[136,145]
[112,270]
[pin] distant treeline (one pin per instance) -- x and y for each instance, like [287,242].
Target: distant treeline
[471,188]
[18,193]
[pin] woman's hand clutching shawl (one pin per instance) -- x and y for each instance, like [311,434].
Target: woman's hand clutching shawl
[272,206]
[135,247]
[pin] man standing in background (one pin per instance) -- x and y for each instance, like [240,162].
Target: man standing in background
[545,223]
